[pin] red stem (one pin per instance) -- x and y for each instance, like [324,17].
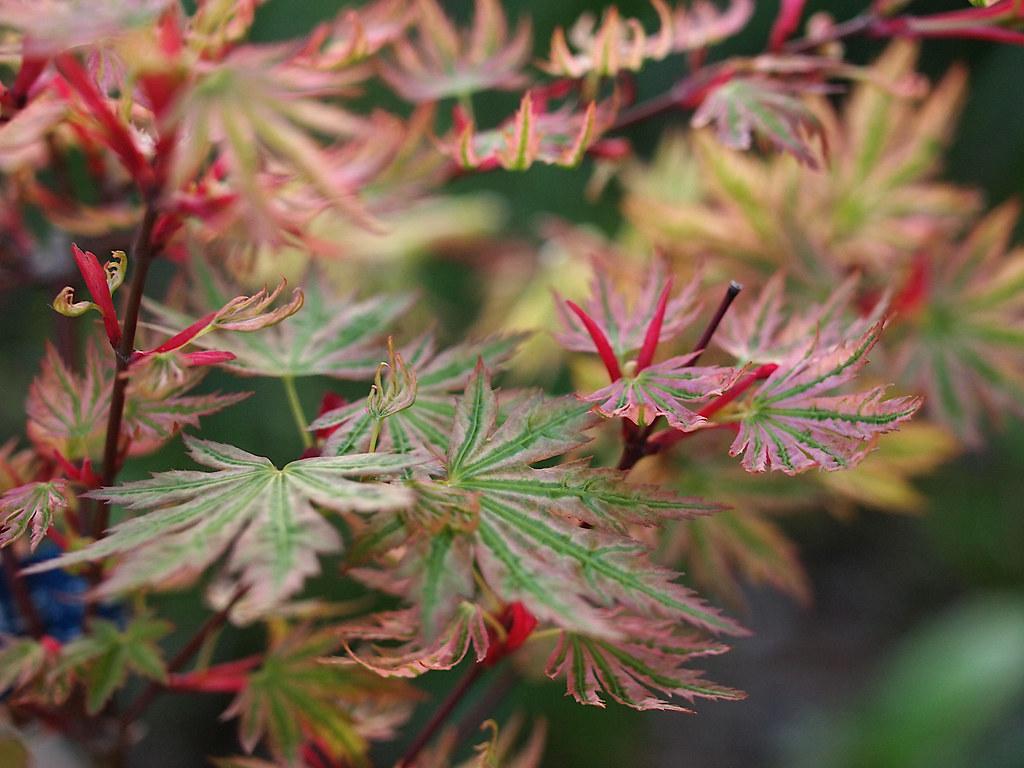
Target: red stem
[670,437]
[190,649]
[440,716]
[142,253]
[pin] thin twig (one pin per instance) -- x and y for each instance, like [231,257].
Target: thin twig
[705,338]
[22,597]
[135,710]
[142,256]
[441,715]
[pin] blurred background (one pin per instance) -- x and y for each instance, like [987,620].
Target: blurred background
[911,652]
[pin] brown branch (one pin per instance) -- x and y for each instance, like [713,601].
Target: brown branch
[441,715]
[637,443]
[22,597]
[142,255]
[135,710]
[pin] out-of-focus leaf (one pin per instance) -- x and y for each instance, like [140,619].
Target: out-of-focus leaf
[743,108]
[884,479]
[293,696]
[963,346]
[876,203]
[443,61]
[103,658]
[938,698]
[619,44]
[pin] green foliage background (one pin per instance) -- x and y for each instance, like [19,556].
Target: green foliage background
[913,651]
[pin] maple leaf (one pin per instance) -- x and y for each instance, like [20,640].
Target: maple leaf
[292,697]
[791,425]
[637,670]
[329,336]
[103,658]
[427,421]
[67,412]
[625,323]
[718,551]
[664,389]
[464,634]
[50,26]
[765,332]
[523,523]
[258,112]
[535,134]
[964,303]
[876,203]
[744,107]
[356,34]
[619,44]
[33,505]
[263,515]
[441,62]
[241,314]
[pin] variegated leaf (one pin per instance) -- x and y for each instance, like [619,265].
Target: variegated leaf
[641,671]
[427,422]
[263,515]
[526,535]
[669,388]
[746,107]
[327,337]
[792,425]
[32,506]
[625,322]
[466,633]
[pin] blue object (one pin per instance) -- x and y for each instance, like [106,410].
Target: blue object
[59,598]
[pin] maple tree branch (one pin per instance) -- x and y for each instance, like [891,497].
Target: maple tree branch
[688,92]
[142,255]
[670,437]
[705,338]
[440,716]
[637,443]
[22,597]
